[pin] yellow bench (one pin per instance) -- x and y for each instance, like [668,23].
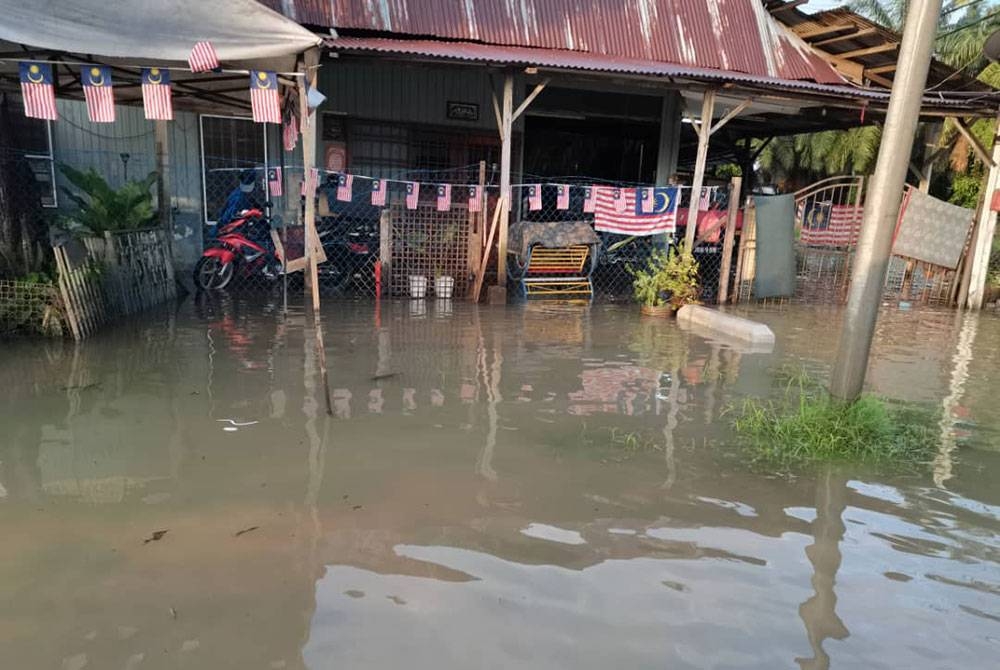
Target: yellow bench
[557,271]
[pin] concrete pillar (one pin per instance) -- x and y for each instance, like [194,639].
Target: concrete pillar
[670,137]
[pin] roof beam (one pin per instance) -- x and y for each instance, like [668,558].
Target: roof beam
[878,79]
[868,51]
[539,87]
[792,4]
[730,115]
[824,30]
[881,69]
[848,36]
[984,155]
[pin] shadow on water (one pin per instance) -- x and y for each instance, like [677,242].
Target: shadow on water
[541,486]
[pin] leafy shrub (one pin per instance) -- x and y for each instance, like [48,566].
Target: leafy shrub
[101,208]
[668,278]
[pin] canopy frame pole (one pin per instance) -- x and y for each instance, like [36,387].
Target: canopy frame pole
[506,133]
[704,133]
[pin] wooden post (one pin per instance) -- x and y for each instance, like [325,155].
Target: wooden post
[985,228]
[477,222]
[385,248]
[506,132]
[735,186]
[704,132]
[163,199]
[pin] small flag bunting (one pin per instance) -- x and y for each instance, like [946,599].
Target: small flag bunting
[38,92]
[589,199]
[264,99]
[98,91]
[412,194]
[444,197]
[562,196]
[203,58]
[310,182]
[290,132]
[379,188]
[475,199]
[535,197]
[274,182]
[345,184]
[156,97]
[618,198]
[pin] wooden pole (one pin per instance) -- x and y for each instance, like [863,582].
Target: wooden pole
[735,186]
[162,149]
[507,119]
[704,132]
[308,124]
[985,228]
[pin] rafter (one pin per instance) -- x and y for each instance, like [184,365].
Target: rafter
[818,31]
[868,51]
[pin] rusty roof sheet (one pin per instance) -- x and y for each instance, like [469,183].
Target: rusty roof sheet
[726,35]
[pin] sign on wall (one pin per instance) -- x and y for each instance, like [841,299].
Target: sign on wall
[463,111]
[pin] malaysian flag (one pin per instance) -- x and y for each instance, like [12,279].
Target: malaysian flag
[589,199]
[444,197]
[345,183]
[264,97]
[37,90]
[379,187]
[310,182]
[412,194]
[96,80]
[475,199]
[156,98]
[535,197]
[203,58]
[290,132]
[617,199]
[274,181]
[705,200]
[825,224]
[636,219]
[562,196]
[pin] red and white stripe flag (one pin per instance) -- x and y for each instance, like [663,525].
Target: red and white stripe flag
[264,99]
[444,197]
[274,182]
[38,92]
[705,199]
[618,198]
[379,188]
[310,182]
[475,199]
[645,202]
[661,217]
[98,91]
[412,194]
[589,199]
[345,184]
[156,97]
[203,58]
[562,196]
[534,197]
[290,133]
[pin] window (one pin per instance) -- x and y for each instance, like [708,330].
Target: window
[229,145]
[32,138]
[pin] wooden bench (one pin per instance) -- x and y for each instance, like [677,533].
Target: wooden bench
[557,271]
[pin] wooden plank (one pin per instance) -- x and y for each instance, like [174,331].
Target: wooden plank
[735,186]
[849,36]
[68,302]
[792,4]
[971,139]
[477,286]
[701,158]
[385,248]
[882,69]
[878,79]
[868,51]
[818,31]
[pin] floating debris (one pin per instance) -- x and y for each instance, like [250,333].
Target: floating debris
[246,530]
[156,536]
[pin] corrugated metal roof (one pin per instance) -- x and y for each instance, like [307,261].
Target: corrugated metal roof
[471,52]
[726,35]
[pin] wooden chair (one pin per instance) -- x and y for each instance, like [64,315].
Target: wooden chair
[560,271]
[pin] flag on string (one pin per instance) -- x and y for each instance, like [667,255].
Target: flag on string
[38,92]
[412,194]
[290,132]
[618,199]
[274,181]
[589,199]
[345,184]
[379,188]
[705,199]
[535,197]
[310,182]
[264,99]
[203,58]
[97,90]
[562,196]
[656,217]
[444,197]
[475,199]
[156,98]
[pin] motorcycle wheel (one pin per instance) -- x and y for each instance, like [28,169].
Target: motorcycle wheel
[211,274]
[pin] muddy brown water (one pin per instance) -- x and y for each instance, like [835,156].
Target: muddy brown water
[534,487]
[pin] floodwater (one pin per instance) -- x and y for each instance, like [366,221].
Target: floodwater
[539,486]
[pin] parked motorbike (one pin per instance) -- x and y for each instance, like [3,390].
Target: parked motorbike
[240,249]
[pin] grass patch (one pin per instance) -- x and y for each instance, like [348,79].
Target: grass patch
[808,426]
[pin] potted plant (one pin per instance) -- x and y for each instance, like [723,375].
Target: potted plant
[666,283]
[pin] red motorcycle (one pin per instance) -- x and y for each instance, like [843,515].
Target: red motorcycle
[235,253]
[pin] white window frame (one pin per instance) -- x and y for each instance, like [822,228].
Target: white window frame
[201,142]
[50,157]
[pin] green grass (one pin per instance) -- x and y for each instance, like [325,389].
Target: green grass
[808,426]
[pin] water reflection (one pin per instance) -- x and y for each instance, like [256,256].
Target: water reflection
[548,486]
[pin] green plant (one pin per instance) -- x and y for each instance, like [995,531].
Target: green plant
[668,278]
[808,426]
[102,208]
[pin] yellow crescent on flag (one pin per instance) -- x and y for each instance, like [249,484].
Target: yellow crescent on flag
[96,78]
[35,74]
[154,75]
[263,81]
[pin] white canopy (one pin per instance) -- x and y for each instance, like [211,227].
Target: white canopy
[156,30]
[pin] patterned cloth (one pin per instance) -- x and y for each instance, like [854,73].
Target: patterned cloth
[932,230]
[552,234]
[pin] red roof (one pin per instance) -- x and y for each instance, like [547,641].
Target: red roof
[724,35]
